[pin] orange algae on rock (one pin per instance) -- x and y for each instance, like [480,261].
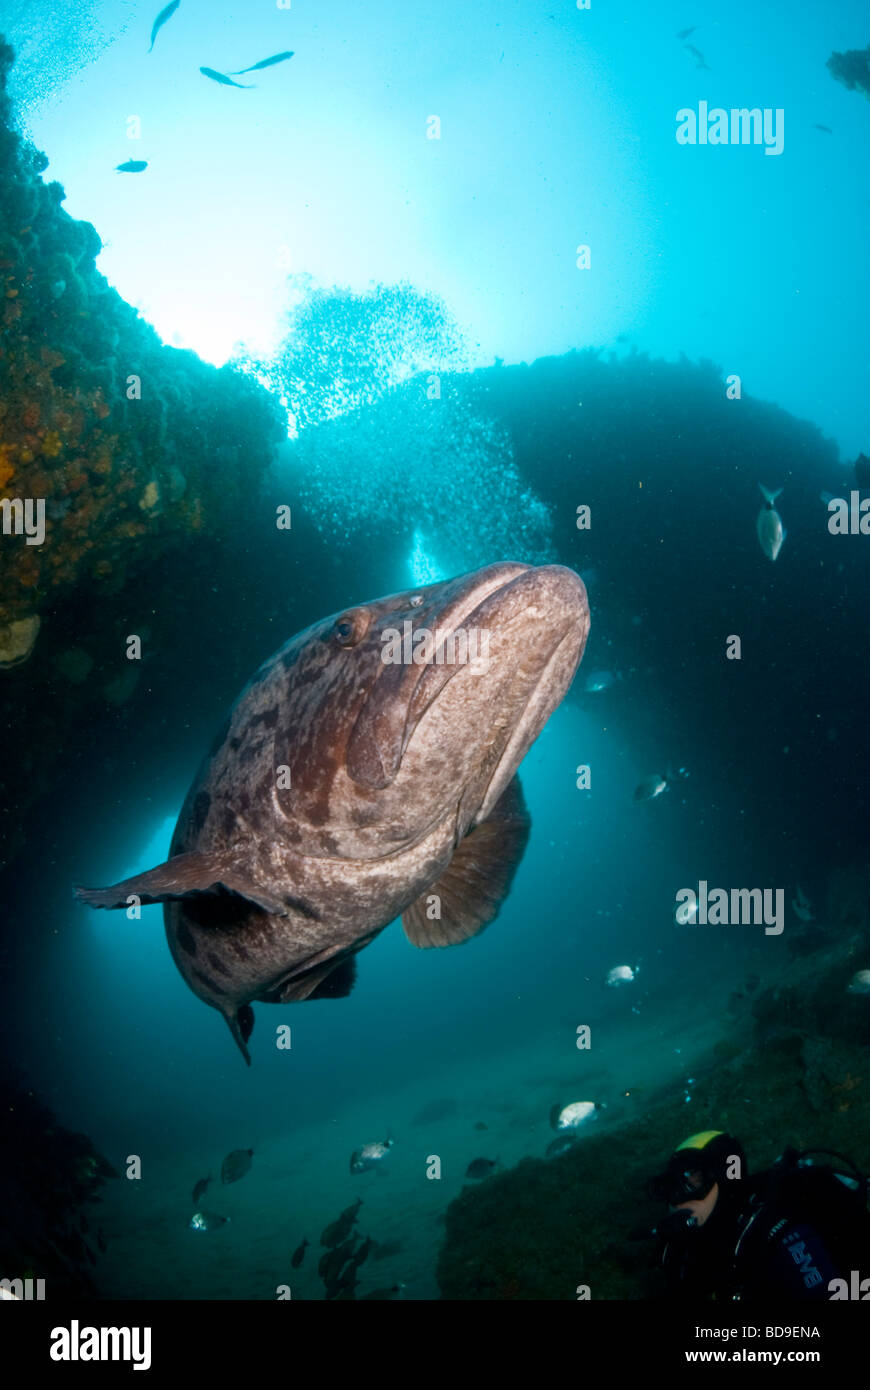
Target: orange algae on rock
[112,472]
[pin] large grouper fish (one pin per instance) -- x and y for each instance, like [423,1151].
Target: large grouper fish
[347,789]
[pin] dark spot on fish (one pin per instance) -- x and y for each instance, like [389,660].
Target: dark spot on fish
[235,741]
[184,937]
[268,718]
[251,749]
[241,951]
[209,983]
[217,963]
[200,810]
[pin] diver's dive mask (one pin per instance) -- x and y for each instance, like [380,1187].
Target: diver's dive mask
[682,1181]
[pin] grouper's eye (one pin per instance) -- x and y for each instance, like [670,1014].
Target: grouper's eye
[351,627]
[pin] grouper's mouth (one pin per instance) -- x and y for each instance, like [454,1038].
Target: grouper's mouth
[537,710]
[502,610]
[537,618]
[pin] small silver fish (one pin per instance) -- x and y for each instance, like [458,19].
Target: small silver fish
[263,63]
[572,1116]
[620,975]
[369,1156]
[224,80]
[166,13]
[597,681]
[651,787]
[207,1221]
[769,527]
[860,983]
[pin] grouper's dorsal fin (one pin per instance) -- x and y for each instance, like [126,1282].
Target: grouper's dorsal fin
[478,878]
[186,876]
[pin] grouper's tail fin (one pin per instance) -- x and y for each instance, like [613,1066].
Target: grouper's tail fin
[241,1025]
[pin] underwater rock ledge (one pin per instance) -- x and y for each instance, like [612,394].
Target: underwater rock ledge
[48,1174]
[132,446]
[132,452]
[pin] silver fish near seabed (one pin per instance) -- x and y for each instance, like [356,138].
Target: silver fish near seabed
[369,1156]
[345,790]
[769,527]
[571,1117]
[207,1221]
[620,975]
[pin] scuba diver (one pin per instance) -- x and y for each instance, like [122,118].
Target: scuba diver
[786,1233]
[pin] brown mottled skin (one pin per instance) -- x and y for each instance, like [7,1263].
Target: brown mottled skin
[391,766]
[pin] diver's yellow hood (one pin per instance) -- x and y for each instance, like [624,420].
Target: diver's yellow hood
[700,1140]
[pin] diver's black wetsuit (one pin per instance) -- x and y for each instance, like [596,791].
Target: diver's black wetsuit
[785,1238]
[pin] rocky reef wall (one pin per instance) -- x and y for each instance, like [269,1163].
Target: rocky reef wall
[115,452]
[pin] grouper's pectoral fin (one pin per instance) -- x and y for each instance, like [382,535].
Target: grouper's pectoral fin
[185,876]
[330,979]
[477,880]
